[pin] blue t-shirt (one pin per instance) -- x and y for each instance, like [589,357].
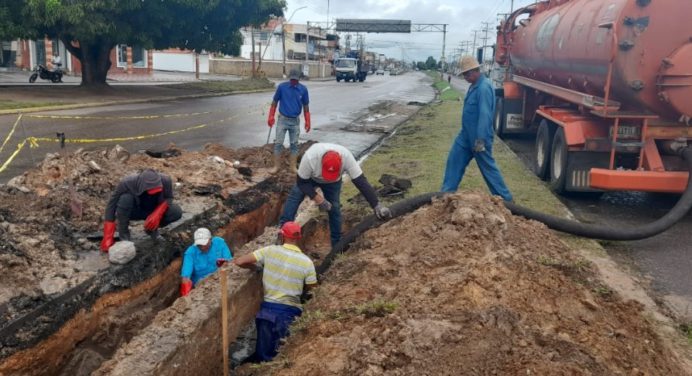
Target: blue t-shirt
[291,99]
[198,264]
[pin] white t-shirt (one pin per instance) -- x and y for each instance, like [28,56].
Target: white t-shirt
[311,163]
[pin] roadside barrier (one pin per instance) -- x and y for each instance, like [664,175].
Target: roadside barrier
[33,142]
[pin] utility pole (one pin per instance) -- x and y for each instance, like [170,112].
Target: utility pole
[511,7]
[307,50]
[473,47]
[283,45]
[252,40]
[486,28]
[444,41]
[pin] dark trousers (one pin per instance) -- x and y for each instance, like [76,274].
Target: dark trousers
[272,321]
[128,210]
[331,191]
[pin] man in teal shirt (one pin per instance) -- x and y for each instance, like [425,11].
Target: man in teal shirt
[202,258]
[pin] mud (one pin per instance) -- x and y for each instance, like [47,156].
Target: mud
[54,280]
[463,287]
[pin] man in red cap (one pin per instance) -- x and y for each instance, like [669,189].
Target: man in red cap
[147,195]
[322,166]
[287,271]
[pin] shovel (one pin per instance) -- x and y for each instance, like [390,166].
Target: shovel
[269,134]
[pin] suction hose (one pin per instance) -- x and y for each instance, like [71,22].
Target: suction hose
[594,231]
[606,232]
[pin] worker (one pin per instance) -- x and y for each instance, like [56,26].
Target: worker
[476,137]
[147,195]
[449,79]
[292,98]
[287,271]
[202,258]
[322,166]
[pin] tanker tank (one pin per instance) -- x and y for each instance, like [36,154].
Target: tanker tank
[570,43]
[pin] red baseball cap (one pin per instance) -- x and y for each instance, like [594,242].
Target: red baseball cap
[291,230]
[331,166]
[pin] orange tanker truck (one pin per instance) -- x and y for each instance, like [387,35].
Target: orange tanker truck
[606,86]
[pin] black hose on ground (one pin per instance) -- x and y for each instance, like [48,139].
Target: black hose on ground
[607,232]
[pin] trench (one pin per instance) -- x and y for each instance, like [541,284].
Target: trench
[75,333]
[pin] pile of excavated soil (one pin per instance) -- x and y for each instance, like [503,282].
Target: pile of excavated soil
[47,212]
[461,287]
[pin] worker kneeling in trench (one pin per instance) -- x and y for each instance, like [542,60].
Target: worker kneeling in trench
[287,271]
[202,258]
[147,195]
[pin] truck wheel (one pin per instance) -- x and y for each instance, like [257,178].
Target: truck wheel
[558,162]
[338,79]
[499,123]
[544,139]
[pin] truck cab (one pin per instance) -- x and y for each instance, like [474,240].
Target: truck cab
[350,69]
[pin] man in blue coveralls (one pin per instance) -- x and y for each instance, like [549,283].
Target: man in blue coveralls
[476,137]
[292,98]
[202,258]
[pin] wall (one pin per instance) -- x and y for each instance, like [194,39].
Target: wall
[272,69]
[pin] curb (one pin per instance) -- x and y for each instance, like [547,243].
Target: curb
[26,110]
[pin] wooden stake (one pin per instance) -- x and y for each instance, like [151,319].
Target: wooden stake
[223,279]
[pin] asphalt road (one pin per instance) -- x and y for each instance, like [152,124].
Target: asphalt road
[235,121]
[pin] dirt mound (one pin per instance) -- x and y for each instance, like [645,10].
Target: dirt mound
[463,287]
[47,213]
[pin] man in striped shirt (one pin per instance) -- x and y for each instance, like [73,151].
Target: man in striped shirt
[286,272]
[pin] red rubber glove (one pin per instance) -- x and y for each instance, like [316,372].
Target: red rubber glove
[154,219]
[108,233]
[220,262]
[307,121]
[272,112]
[185,288]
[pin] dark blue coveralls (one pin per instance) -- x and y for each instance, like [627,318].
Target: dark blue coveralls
[477,123]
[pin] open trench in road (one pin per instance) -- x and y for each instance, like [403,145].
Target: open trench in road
[128,319]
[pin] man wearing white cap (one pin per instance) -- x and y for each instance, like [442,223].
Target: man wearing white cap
[202,258]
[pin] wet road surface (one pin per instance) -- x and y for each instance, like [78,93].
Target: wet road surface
[235,121]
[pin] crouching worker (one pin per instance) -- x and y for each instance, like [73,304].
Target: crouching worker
[147,195]
[286,272]
[202,258]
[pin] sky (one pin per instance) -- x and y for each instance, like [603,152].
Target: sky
[461,17]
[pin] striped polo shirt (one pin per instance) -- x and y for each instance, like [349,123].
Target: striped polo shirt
[286,270]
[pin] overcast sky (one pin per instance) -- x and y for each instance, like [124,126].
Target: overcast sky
[462,17]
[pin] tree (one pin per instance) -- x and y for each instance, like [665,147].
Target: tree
[90,29]
[430,63]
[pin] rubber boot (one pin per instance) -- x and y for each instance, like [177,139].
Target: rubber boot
[124,230]
[293,163]
[277,164]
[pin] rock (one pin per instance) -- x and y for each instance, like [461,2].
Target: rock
[53,285]
[94,167]
[122,252]
[462,215]
[17,183]
[119,153]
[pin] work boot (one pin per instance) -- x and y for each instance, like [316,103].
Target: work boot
[124,231]
[293,163]
[277,164]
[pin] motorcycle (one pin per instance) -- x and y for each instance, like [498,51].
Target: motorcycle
[46,74]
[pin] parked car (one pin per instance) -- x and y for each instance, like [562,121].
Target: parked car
[380,72]
[393,72]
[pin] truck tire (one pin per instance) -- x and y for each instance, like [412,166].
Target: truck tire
[499,123]
[544,141]
[338,79]
[559,158]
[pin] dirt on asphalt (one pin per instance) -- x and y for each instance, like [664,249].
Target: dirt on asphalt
[47,213]
[463,287]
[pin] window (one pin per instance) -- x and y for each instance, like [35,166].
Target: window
[139,56]
[300,38]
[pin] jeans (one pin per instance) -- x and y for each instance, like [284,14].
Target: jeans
[127,210]
[272,321]
[460,156]
[284,125]
[331,193]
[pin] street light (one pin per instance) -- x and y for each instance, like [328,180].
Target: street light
[283,37]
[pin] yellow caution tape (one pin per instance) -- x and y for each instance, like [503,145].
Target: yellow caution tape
[33,141]
[135,117]
[19,118]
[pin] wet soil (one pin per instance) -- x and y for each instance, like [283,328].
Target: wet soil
[463,287]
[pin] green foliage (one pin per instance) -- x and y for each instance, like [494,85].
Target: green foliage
[192,24]
[430,63]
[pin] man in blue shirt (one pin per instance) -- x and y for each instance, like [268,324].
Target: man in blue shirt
[202,258]
[292,98]
[476,137]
